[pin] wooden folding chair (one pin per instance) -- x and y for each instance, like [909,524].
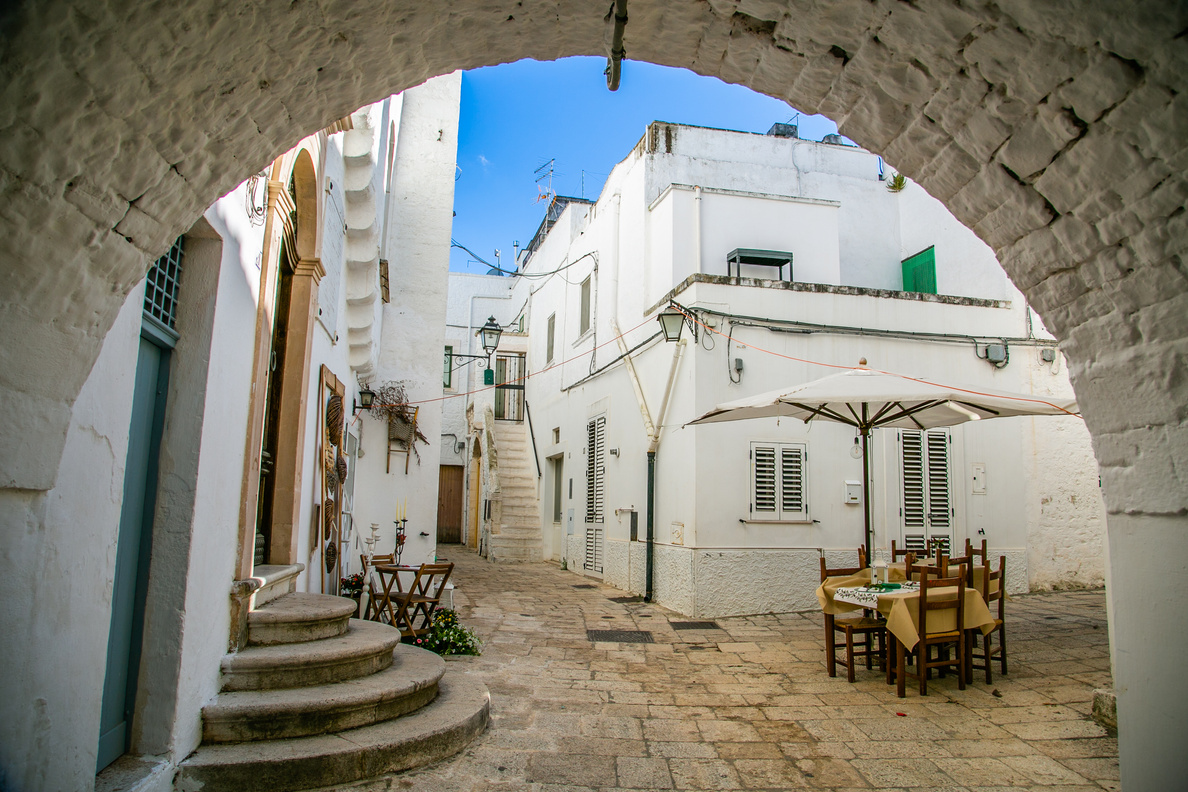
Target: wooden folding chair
[993,584]
[411,610]
[929,615]
[866,627]
[372,610]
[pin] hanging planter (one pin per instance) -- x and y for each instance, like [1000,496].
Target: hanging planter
[391,405]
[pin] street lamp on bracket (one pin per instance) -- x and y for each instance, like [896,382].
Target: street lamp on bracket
[489,335]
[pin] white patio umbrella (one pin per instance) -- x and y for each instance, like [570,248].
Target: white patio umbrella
[867,399]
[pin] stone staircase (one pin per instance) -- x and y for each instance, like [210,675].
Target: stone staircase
[519,535]
[319,699]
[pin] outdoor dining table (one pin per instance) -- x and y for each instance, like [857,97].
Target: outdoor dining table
[979,572]
[853,592]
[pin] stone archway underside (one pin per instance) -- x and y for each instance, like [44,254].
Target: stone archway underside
[1057,131]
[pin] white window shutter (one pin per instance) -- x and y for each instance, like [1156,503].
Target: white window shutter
[793,498]
[940,501]
[779,482]
[595,469]
[763,482]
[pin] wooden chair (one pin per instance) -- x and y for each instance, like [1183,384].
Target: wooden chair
[975,553]
[868,628]
[411,611]
[897,554]
[929,614]
[993,585]
[371,612]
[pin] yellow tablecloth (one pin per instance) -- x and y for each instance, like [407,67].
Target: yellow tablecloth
[832,584]
[901,607]
[903,613]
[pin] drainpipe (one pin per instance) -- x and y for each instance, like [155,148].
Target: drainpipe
[651,532]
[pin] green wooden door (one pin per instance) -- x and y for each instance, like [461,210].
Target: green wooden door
[132,551]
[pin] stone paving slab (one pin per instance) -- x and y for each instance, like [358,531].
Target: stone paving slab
[749,706]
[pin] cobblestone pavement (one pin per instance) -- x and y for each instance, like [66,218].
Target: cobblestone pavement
[749,706]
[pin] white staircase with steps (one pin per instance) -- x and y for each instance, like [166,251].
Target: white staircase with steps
[319,699]
[518,535]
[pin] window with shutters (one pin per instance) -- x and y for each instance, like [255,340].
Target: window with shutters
[779,482]
[927,507]
[584,323]
[595,469]
[550,338]
[919,272]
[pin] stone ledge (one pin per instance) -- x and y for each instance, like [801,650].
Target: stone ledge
[136,774]
[1105,709]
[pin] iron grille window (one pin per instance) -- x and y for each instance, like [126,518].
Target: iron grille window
[161,286]
[779,482]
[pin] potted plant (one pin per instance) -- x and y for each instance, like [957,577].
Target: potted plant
[352,588]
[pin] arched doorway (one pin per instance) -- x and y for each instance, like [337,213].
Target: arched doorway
[1054,135]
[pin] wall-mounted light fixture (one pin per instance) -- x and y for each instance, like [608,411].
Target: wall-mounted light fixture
[489,335]
[672,322]
[366,400]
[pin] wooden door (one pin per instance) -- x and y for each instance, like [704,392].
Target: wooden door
[449,504]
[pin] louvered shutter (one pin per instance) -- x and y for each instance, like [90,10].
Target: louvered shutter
[763,482]
[911,459]
[940,501]
[778,482]
[927,509]
[595,469]
[793,498]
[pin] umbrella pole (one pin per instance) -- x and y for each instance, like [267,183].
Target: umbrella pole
[866,490]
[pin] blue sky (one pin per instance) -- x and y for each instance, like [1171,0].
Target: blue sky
[516,117]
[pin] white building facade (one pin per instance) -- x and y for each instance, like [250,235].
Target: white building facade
[324,272]
[740,512]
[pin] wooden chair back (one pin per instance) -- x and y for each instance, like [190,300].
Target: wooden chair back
[917,569]
[372,610]
[941,623]
[827,572]
[993,584]
[897,554]
[976,553]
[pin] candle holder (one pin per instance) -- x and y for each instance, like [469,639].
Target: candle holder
[400,535]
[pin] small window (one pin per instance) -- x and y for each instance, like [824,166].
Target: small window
[550,338]
[919,272]
[447,377]
[779,482]
[585,321]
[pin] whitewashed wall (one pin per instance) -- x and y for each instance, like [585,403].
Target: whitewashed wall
[414,321]
[862,232]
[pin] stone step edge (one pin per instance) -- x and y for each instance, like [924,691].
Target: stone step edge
[300,616]
[407,685]
[458,715]
[365,648]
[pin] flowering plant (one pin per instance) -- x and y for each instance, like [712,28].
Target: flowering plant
[447,637]
[352,585]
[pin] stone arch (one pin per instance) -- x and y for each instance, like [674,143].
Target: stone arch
[1055,131]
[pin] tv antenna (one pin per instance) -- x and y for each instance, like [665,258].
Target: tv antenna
[544,181]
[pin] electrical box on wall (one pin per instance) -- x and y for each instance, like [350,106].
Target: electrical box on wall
[853,492]
[977,475]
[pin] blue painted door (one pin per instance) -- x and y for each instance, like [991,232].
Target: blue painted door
[133,550]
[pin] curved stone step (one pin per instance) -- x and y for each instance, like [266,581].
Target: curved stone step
[299,617]
[407,685]
[365,648]
[441,729]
